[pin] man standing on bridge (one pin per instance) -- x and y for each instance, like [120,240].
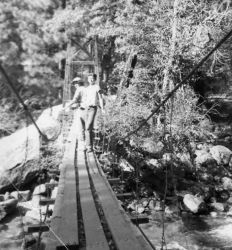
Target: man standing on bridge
[92,99]
[88,99]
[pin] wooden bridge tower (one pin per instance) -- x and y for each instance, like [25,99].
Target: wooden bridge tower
[81,59]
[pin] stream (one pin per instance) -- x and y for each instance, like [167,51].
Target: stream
[191,232]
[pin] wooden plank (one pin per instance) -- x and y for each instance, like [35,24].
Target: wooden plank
[125,195]
[83,62]
[113,181]
[139,219]
[64,221]
[50,186]
[124,233]
[94,234]
[36,228]
[46,201]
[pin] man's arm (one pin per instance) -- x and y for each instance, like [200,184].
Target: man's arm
[76,99]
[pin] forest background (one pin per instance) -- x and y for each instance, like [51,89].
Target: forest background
[168,37]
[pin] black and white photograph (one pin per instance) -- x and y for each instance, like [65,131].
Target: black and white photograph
[115,124]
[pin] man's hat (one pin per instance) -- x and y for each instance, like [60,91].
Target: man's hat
[76,79]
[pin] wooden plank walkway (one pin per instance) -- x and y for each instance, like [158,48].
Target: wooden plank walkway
[64,223]
[86,199]
[125,234]
[94,234]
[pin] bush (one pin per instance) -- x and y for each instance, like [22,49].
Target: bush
[181,119]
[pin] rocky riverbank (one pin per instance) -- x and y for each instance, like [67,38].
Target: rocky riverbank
[181,193]
[26,165]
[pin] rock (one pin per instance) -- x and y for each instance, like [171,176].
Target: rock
[229,213]
[229,200]
[107,158]
[35,201]
[227,183]
[145,202]
[168,157]
[131,206]
[48,123]
[19,160]
[222,195]
[153,163]
[221,154]
[35,214]
[29,242]
[217,206]
[7,207]
[139,208]
[32,204]
[171,210]
[174,246]
[192,202]
[158,206]
[21,195]
[204,158]
[205,177]
[52,181]
[213,214]
[185,159]
[151,204]
[54,192]
[152,147]
[6,196]
[125,166]
[41,189]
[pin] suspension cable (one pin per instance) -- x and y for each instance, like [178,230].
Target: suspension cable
[14,90]
[170,94]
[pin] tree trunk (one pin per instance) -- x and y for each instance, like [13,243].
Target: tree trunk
[167,82]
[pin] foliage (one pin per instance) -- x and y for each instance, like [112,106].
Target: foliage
[27,51]
[9,119]
[170,38]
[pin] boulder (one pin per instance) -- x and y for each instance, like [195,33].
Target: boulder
[41,189]
[35,214]
[193,203]
[185,159]
[29,242]
[204,158]
[19,152]
[227,183]
[229,213]
[107,158]
[19,160]
[49,125]
[54,193]
[21,195]
[217,206]
[7,207]
[174,246]
[168,158]
[125,166]
[152,147]
[221,154]
[153,163]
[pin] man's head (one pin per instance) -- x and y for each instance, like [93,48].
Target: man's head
[77,82]
[92,79]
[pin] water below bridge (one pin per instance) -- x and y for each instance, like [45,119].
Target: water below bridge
[192,232]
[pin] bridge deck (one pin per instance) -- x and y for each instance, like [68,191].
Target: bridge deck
[85,198]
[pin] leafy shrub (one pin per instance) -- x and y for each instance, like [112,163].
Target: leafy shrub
[181,120]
